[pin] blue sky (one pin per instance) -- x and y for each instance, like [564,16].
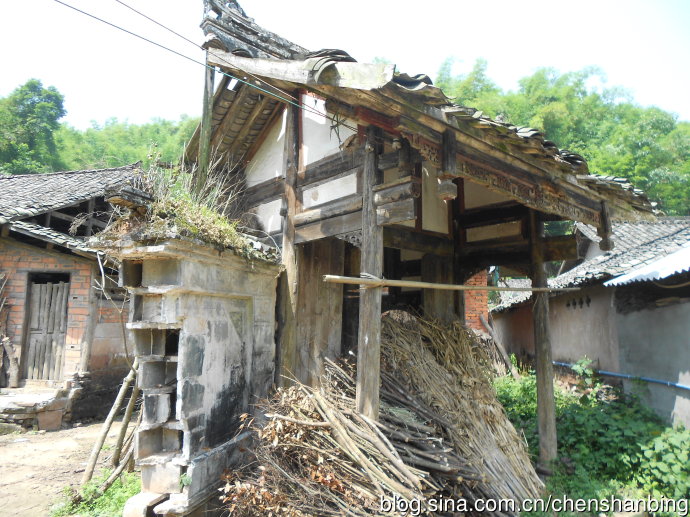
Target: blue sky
[643,46]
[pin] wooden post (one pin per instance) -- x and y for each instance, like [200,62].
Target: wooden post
[205,132]
[369,342]
[546,407]
[288,282]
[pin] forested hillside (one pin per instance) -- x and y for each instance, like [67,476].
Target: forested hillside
[617,137]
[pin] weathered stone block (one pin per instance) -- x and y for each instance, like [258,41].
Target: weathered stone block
[163,478]
[50,420]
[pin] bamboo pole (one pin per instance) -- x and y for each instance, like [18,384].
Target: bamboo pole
[117,451]
[385,282]
[91,465]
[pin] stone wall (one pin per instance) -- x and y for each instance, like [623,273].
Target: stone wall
[203,326]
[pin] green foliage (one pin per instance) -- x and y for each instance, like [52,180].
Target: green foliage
[28,118]
[118,143]
[97,504]
[32,139]
[609,444]
[618,138]
[663,466]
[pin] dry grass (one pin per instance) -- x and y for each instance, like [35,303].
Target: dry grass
[441,433]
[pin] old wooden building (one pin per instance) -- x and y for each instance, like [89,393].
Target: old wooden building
[357,170]
[63,339]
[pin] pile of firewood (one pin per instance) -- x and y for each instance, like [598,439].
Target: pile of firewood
[316,456]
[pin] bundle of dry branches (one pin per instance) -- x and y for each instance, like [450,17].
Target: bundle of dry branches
[316,456]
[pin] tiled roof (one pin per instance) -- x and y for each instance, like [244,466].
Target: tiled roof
[28,195]
[635,245]
[49,235]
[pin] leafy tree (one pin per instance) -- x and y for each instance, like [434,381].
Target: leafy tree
[118,143]
[28,118]
[618,137]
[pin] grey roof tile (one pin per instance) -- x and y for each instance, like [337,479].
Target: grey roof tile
[27,195]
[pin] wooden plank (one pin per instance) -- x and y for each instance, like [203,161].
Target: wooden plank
[396,212]
[329,227]
[262,192]
[352,203]
[256,112]
[415,241]
[58,330]
[237,105]
[369,341]
[320,307]
[49,360]
[34,306]
[449,168]
[546,407]
[204,155]
[286,356]
[439,304]
[605,230]
[411,188]
[330,166]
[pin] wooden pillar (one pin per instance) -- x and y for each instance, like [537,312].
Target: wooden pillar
[288,283]
[369,342]
[438,304]
[546,407]
[205,131]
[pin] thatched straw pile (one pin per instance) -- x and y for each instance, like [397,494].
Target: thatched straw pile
[441,433]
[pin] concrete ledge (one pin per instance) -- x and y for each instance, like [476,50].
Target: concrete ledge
[141,505]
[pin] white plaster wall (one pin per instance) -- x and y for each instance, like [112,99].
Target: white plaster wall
[268,160]
[319,140]
[655,343]
[477,195]
[268,215]
[575,332]
[330,191]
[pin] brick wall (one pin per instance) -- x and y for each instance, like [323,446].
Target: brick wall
[19,260]
[476,302]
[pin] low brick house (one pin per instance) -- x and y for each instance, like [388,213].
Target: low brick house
[65,334]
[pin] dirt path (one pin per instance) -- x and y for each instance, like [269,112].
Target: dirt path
[35,468]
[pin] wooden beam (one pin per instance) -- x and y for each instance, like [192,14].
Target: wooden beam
[329,227]
[352,203]
[407,188]
[386,282]
[331,166]
[546,407]
[288,281]
[256,112]
[264,191]
[396,212]
[369,341]
[205,131]
[71,218]
[415,241]
[236,106]
[605,231]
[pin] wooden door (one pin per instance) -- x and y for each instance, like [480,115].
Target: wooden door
[45,339]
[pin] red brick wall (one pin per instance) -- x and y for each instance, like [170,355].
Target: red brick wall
[18,260]
[476,302]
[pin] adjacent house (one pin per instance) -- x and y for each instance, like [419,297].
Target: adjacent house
[630,315]
[64,336]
